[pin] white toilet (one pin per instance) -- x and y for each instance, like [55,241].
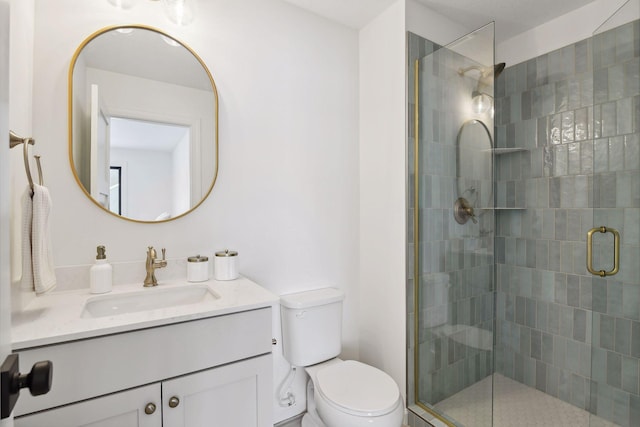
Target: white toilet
[339,393]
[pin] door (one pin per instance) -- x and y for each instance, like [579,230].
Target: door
[453,229]
[139,407]
[233,395]
[5,280]
[613,243]
[100,150]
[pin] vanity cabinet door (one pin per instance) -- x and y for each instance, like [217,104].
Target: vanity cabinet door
[124,409]
[238,394]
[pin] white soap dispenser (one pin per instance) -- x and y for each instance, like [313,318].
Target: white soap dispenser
[101,273]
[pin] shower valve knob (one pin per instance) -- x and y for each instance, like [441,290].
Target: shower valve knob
[463,211]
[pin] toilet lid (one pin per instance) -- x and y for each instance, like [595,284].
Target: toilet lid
[357,388]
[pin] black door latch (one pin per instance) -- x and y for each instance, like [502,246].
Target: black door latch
[38,381]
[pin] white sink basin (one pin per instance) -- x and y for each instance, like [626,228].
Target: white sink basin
[146,299]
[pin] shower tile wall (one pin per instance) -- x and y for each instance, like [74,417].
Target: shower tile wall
[575,115]
[418,47]
[456,262]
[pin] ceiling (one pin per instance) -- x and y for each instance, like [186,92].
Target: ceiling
[512,17]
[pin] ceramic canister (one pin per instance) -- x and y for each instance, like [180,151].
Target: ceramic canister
[225,265]
[197,268]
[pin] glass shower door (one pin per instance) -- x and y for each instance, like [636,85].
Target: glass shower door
[454,231]
[613,242]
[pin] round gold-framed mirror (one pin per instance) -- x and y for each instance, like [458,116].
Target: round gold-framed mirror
[143,124]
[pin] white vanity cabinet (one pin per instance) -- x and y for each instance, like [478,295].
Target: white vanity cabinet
[203,373]
[235,394]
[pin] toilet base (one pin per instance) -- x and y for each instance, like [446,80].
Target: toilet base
[312,419]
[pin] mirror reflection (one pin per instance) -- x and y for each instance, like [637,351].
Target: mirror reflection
[143,124]
[475,164]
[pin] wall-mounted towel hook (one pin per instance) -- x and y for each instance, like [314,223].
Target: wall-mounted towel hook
[15,140]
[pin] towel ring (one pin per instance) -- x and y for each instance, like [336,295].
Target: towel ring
[15,140]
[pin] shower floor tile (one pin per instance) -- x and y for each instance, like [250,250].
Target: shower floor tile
[515,404]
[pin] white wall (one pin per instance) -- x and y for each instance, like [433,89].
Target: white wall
[5,279]
[431,25]
[287,191]
[560,32]
[20,121]
[383,178]
[382,195]
[144,172]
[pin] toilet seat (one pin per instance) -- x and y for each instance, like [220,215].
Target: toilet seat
[357,389]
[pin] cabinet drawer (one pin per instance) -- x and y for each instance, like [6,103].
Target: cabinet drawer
[98,366]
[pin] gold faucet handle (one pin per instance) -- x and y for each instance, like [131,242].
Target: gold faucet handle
[164,252]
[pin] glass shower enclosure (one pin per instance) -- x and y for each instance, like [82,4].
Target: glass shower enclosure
[453,222]
[524,231]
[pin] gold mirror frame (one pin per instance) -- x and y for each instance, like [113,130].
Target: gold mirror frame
[72,65]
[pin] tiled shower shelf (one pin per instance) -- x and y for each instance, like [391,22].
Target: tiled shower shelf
[499,151]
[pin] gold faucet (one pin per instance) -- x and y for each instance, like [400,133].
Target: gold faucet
[151,265]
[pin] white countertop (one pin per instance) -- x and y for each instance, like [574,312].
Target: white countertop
[56,317]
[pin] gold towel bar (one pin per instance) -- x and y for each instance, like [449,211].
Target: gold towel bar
[15,140]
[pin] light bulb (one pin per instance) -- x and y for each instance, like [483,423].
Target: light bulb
[122,4]
[181,12]
[481,103]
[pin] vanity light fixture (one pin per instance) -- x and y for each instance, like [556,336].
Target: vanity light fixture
[122,4]
[180,12]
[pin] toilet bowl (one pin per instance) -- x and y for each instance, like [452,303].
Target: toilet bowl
[339,393]
[351,394]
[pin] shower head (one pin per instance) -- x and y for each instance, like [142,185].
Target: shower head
[482,98]
[485,72]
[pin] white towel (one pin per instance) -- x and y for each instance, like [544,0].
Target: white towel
[38,271]
[27,265]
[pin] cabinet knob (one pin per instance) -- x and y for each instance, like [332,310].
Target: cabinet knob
[150,408]
[173,402]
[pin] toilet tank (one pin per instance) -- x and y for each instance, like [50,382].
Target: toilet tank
[311,326]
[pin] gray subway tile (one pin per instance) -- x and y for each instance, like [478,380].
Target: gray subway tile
[624,42]
[614,369]
[630,374]
[536,344]
[541,376]
[579,325]
[623,336]
[624,116]
[582,56]
[599,295]
[601,85]
[606,332]
[616,82]
[562,96]
[609,121]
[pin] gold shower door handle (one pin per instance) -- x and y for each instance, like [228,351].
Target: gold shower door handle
[616,251]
